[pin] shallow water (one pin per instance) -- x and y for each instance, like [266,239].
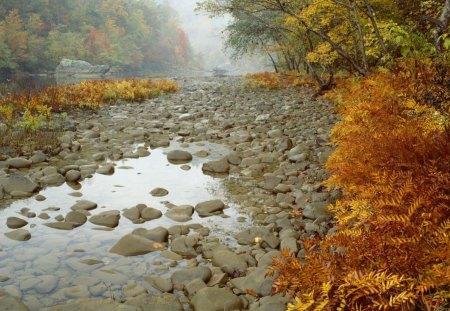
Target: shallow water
[42,268]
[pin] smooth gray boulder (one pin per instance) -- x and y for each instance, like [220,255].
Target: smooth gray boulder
[165,302]
[180,213]
[84,205]
[19,163]
[179,156]
[108,219]
[134,245]
[158,234]
[76,218]
[216,167]
[19,235]
[210,208]
[258,235]
[69,67]
[229,262]
[159,192]
[182,277]
[216,299]
[256,281]
[15,222]
[17,182]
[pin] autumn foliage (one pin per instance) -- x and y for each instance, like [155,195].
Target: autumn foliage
[32,110]
[391,247]
[276,80]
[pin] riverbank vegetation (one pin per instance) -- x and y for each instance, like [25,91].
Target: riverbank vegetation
[127,35]
[33,117]
[386,65]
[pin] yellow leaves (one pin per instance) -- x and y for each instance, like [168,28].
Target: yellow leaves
[272,80]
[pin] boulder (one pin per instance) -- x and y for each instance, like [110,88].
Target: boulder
[165,302]
[216,299]
[229,262]
[17,182]
[68,67]
[182,277]
[84,205]
[158,234]
[258,235]
[216,167]
[19,163]
[180,213]
[19,235]
[108,219]
[256,281]
[209,208]
[15,222]
[179,156]
[133,245]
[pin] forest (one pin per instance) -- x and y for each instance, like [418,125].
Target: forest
[127,35]
[385,64]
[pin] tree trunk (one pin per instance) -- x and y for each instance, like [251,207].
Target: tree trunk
[442,27]
[361,37]
[370,13]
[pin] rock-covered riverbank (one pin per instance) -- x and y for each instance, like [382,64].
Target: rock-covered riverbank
[276,144]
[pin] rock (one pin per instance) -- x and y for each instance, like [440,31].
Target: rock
[229,262]
[133,290]
[60,225]
[182,277]
[15,222]
[38,157]
[271,303]
[184,246]
[10,303]
[108,219]
[76,218]
[4,278]
[216,299]
[315,210]
[132,213]
[40,198]
[256,281]
[68,67]
[158,234]
[20,194]
[194,286]
[44,216]
[91,262]
[17,182]
[234,159]
[258,235]
[179,156]
[46,284]
[161,284]
[165,302]
[107,169]
[216,167]
[84,205]
[149,213]
[133,245]
[19,235]
[270,182]
[159,192]
[209,208]
[73,175]
[202,154]
[93,305]
[180,213]
[53,179]
[19,163]
[289,243]
[267,259]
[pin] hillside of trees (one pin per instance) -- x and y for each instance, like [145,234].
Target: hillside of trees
[129,35]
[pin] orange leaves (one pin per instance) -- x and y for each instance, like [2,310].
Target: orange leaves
[84,95]
[272,80]
[390,250]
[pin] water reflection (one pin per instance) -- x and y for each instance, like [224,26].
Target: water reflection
[47,269]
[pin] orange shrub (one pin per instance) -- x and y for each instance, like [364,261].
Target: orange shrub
[273,80]
[391,249]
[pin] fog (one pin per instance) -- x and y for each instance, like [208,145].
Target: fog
[206,37]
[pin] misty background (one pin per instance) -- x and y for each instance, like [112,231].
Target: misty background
[207,40]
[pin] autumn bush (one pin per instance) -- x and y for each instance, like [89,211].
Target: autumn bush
[391,247]
[276,80]
[46,109]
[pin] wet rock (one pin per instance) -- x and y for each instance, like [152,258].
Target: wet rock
[60,225]
[17,182]
[133,245]
[108,219]
[161,284]
[159,192]
[149,213]
[4,278]
[258,235]
[46,284]
[184,246]
[10,303]
[76,218]
[216,299]
[19,163]
[40,198]
[132,213]
[271,303]
[93,305]
[181,213]
[209,208]
[15,222]
[234,159]
[194,286]
[229,262]
[182,277]
[133,290]
[19,235]
[53,179]
[165,302]
[267,259]
[91,262]
[216,167]
[84,205]
[256,281]
[20,194]
[38,157]
[158,234]
[107,169]
[202,154]
[179,156]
